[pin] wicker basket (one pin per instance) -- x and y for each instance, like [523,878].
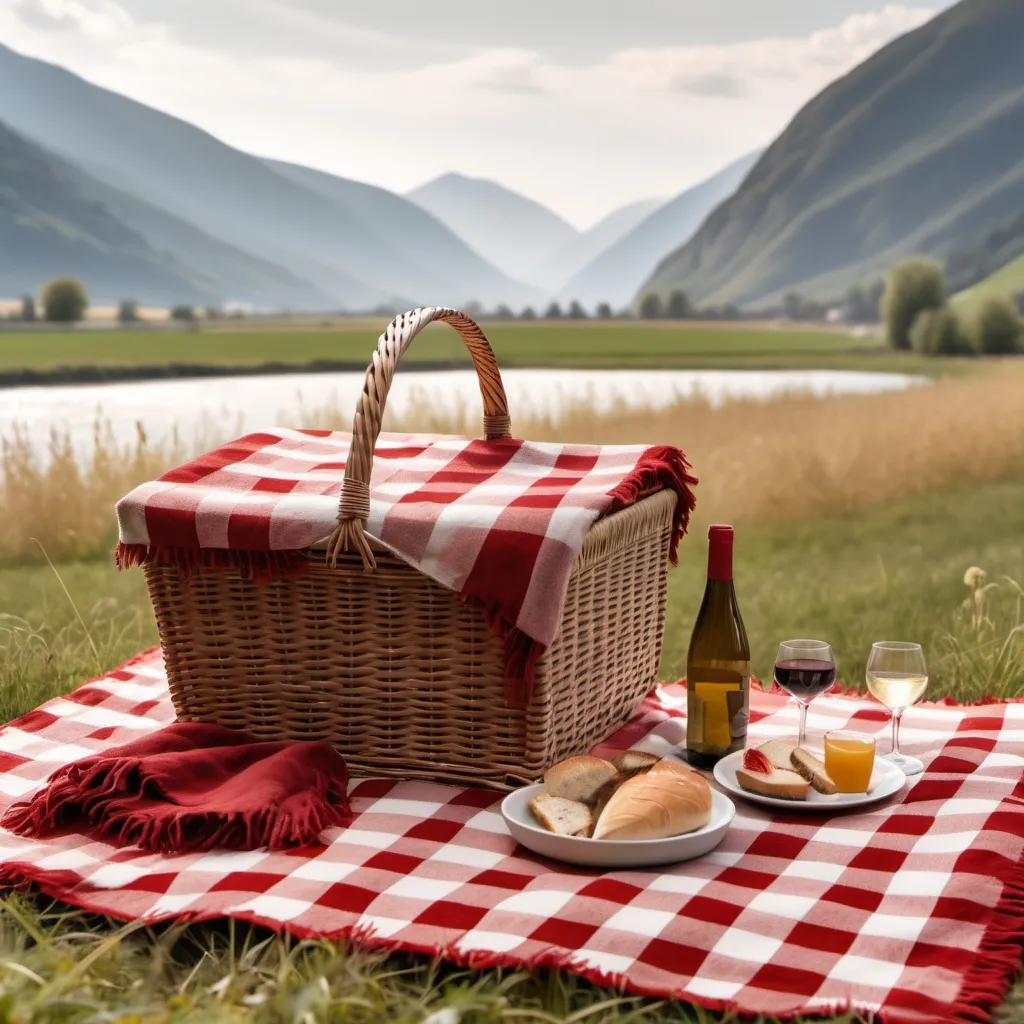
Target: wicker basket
[390,666]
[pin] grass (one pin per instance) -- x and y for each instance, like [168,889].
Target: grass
[1004,283]
[896,569]
[538,343]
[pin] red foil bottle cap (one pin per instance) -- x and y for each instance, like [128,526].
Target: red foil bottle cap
[720,540]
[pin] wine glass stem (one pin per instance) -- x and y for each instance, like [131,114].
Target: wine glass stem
[896,716]
[803,724]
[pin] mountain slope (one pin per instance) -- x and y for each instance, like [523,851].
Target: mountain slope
[422,236]
[514,233]
[918,149]
[228,194]
[236,276]
[49,227]
[616,274]
[566,262]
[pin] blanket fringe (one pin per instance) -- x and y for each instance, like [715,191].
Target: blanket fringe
[258,566]
[662,466]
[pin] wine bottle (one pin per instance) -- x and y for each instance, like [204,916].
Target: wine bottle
[717,664]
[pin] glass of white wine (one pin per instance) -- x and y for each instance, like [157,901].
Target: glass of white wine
[898,676]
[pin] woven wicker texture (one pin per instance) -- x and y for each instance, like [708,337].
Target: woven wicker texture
[393,668]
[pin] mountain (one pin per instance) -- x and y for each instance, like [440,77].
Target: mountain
[564,263]
[227,194]
[615,274]
[514,233]
[50,227]
[917,150]
[423,237]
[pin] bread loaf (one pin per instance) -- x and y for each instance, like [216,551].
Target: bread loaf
[668,800]
[580,778]
[633,762]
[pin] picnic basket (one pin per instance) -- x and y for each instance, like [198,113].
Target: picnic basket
[391,667]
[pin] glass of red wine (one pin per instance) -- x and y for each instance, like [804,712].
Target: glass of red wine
[805,669]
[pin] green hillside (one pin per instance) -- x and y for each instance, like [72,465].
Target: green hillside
[918,150]
[49,227]
[1007,281]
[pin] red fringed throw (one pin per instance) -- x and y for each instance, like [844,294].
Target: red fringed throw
[191,787]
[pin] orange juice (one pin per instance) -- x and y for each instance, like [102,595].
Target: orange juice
[849,760]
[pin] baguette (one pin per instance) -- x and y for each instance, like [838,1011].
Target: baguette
[668,800]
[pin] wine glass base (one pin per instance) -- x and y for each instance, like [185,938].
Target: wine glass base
[908,765]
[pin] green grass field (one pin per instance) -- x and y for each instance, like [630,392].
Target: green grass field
[351,343]
[893,571]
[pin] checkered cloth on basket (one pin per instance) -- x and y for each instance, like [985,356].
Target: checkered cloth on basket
[498,522]
[912,909]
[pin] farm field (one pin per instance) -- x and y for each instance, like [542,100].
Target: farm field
[348,344]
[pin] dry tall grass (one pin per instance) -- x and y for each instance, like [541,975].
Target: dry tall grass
[793,456]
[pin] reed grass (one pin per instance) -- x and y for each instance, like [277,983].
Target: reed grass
[790,457]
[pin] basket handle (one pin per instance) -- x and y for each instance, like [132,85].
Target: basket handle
[354,504]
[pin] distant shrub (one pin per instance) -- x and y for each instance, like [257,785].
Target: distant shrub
[184,313]
[650,306]
[28,309]
[998,327]
[64,300]
[679,305]
[213,313]
[860,304]
[576,311]
[528,314]
[604,311]
[503,313]
[911,287]
[793,306]
[553,312]
[939,332]
[127,312]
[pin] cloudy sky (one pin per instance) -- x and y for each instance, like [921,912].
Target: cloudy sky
[581,104]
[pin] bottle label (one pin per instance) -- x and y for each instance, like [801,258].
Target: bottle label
[717,715]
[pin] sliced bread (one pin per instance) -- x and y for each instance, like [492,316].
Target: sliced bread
[566,817]
[579,778]
[813,771]
[779,753]
[779,782]
[633,762]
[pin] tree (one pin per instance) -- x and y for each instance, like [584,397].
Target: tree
[64,300]
[793,306]
[860,305]
[997,327]
[604,311]
[553,312]
[650,306]
[679,306]
[938,332]
[28,309]
[127,312]
[912,286]
[576,311]
[528,314]
[504,313]
[184,313]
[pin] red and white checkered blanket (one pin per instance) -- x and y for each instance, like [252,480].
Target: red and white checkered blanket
[498,522]
[912,909]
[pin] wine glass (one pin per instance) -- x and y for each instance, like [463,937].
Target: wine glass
[898,676]
[805,669]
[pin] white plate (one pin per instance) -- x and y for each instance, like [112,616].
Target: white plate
[886,779]
[613,853]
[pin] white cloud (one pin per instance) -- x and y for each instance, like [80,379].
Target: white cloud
[580,137]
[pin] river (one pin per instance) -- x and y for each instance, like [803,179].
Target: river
[217,407]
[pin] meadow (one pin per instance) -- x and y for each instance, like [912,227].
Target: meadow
[857,518]
[347,343]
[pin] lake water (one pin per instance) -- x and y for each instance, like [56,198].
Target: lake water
[223,406]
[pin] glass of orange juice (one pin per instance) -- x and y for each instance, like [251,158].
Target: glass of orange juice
[849,759]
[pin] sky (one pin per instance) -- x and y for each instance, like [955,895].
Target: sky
[583,105]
